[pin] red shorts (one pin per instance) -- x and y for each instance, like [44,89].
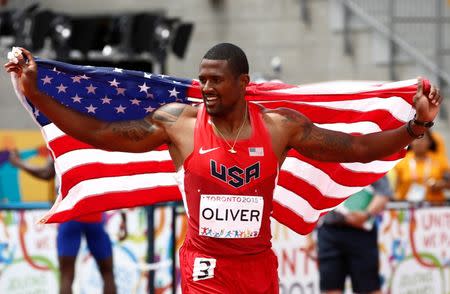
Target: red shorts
[252,274]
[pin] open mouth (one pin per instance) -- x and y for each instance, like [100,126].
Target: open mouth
[211,100]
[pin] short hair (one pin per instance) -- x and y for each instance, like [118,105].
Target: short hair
[235,56]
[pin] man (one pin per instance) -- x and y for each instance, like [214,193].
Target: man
[227,189]
[348,242]
[70,233]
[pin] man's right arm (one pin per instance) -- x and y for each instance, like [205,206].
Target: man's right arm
[130,136]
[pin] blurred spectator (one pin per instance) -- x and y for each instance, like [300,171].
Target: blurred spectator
[424,172]
[440,144]
[347,242]
[70,233]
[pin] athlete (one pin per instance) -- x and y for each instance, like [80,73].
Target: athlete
[227,153]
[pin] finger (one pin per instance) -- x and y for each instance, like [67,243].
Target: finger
[434,98]
[438,98]
[13,66]
[14,69]
[419,91]
[28,55]
[432,92]
[9,63]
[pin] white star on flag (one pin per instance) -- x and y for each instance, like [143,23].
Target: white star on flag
[91,108]
[76,79]
[147,75]
[118,70]
[36,112]
[61,88]
[106,100]
[47,80]
[135,101]
[91,89]
[121,91]
[55,70]
[174,93]
[85,77]
[143,88]
[120,109]
[114,83]
[149,109]
[76,98]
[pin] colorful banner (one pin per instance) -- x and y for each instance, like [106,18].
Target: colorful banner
[415,247]
[414,254]
[16,186]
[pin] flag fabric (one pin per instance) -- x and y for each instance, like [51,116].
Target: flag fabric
[94,180]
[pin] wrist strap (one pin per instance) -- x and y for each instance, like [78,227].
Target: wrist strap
[411,132]
[426,124]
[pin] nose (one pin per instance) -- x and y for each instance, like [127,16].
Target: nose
[207,87]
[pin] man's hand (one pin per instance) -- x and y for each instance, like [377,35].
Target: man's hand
[426,104]
[25,71]
[356,218]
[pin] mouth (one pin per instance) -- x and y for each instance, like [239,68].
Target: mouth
[210,100]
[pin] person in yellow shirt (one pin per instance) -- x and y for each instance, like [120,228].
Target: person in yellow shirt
[440,144]
[424,172]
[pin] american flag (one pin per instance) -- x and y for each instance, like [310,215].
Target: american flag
[94,180]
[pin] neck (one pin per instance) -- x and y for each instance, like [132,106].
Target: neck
[230,123]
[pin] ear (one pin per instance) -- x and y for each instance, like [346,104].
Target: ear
[244,80]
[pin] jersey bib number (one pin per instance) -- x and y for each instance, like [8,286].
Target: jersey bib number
[203,268]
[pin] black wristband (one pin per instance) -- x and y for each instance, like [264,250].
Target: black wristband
[411,132]
[426,124]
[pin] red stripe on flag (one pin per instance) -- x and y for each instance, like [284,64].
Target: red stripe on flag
[288,96]
[308,192]
[116,200]
[64,144]
[323,115]
[98,170]
[290,219]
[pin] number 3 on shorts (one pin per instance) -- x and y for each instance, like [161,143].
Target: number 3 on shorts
[203,268]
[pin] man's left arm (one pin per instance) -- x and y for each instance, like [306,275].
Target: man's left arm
[327,145]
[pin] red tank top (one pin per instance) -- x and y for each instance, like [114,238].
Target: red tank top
[228,197]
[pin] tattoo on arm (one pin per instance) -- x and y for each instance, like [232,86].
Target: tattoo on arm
[318,143]
[168,113]
[138,130]
[326,145]
[135,130]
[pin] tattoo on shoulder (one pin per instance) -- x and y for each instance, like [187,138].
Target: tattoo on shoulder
[293,117]
[168,113]
[287,115]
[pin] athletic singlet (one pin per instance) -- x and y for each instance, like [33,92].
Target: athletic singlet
[228,197]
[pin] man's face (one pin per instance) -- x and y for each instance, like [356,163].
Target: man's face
[221,89]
